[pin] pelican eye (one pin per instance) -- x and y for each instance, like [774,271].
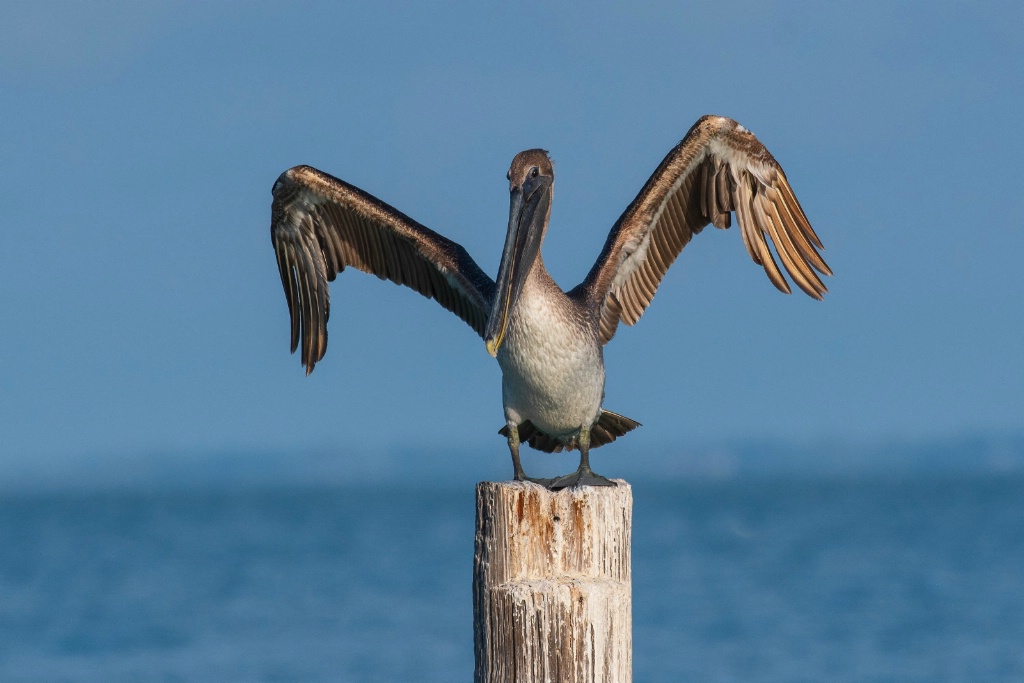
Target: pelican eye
[533,172]
[508,176]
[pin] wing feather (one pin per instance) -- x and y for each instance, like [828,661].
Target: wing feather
[320,225]
[762,228]
[718,169]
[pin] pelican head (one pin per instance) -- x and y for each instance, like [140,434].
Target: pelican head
[530,178]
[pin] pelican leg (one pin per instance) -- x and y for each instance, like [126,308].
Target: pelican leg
[513,447]
[583,476]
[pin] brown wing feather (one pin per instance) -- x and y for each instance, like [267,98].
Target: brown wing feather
[718,168]
[320,225]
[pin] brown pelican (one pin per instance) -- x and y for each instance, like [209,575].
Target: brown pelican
[549,343]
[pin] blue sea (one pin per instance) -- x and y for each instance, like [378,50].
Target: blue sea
[748,579]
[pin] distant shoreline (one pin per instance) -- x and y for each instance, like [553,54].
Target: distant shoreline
[988,454]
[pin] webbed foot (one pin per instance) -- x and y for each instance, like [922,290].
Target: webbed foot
[546,483]
[579,478]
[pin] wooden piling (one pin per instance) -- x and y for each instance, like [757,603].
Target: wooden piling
[552,592]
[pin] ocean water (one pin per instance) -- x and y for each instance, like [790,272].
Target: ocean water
[742,580]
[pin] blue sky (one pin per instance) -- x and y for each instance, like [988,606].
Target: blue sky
[144,315]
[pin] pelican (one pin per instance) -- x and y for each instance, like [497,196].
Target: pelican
[548,342]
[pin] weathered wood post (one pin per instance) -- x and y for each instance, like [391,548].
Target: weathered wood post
[552,592]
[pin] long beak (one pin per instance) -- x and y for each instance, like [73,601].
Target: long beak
[527,217]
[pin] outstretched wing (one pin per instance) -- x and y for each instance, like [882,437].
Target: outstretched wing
[319,225]
[718,168]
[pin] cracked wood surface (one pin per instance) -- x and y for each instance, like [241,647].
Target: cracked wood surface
[552,594]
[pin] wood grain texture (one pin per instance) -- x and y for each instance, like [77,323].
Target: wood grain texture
[552,592]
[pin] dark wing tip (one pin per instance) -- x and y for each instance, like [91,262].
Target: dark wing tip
[300,262]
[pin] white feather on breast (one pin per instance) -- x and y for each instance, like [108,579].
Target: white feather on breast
[552,368]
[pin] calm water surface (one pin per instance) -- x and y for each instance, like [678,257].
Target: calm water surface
[736,581]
